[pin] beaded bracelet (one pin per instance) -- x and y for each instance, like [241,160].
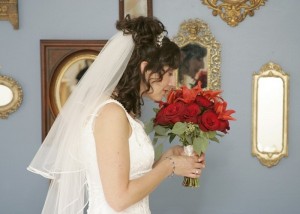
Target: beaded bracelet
[173,164]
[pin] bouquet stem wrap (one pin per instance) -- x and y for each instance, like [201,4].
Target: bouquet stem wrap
[187,181]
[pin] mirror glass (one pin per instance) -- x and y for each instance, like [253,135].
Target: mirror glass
[11,96]
[200,55]
[6,95]
[68,75]
[71,75]
[193,66]
[270,114]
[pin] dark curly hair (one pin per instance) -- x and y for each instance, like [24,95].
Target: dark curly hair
[145,32]
[192,56]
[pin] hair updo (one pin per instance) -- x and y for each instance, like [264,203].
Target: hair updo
[145,32]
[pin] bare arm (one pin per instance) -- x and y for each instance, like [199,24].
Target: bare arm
[112,130]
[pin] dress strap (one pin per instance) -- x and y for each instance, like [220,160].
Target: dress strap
[131,120]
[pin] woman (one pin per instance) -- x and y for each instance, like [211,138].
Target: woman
[97,151]
[192,66]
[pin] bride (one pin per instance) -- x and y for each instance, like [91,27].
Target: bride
[97,154]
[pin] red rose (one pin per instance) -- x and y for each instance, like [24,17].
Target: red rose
[209,121]
[224,126]
[170,114]
[202,101]
[191,113]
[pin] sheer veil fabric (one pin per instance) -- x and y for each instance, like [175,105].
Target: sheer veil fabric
[60,156]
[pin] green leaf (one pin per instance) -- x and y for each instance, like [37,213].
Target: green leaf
[204,144]
[149,126]
[179,128]
[197,145]
[211,134]
[156,110]
[160,130]
[158,150]
[220,135]
[155,139]
[172,136]
[215,140]
[188,138]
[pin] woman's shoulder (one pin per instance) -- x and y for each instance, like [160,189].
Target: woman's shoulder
[112,117]
[112,108]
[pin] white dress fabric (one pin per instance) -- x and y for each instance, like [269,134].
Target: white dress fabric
[141,161]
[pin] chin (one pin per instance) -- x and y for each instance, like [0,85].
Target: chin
[156,97]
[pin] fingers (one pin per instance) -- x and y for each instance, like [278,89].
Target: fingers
[196,173]
[190,166]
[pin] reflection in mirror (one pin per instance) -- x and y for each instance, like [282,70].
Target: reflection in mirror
[6,95]
[270,114]
[193,68]
[200,55]
[69,74]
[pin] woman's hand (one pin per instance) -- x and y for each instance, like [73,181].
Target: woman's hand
[174,150]
[189,166]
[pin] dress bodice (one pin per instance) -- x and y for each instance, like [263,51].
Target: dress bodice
[141,161]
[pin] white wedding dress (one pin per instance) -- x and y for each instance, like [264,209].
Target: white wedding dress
[141,161]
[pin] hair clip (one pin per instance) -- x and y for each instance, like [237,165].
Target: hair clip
[160,38]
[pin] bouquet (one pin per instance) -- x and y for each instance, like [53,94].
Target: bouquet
[193,115]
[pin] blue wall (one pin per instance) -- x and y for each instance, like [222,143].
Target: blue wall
[234,182]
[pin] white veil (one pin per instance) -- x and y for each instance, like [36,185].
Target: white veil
[60,156]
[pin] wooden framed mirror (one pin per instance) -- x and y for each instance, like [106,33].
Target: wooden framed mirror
[200,55]
[63,62]
[11,96]
[270,102]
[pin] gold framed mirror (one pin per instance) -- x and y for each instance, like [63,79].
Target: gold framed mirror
[270,100]
[200,55]
[11,96]
[63,64]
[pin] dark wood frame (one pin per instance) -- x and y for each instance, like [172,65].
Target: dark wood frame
[54,54]
[122,12]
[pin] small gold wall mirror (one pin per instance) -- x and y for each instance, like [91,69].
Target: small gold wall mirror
[11,96]
[200,55]
[233,11]
[270,114]
[9,12]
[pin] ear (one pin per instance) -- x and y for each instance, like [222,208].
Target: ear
[143,65]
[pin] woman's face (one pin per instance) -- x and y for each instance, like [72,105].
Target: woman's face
[160,89]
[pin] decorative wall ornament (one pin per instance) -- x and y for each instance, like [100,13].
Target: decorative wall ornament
[11,96]
[270,104]
[9,12]
[203,55]
[233,11]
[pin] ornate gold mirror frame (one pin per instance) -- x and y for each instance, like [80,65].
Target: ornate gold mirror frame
[9,12]
[11,96]
[270,101]
[201,55]
[233,11]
